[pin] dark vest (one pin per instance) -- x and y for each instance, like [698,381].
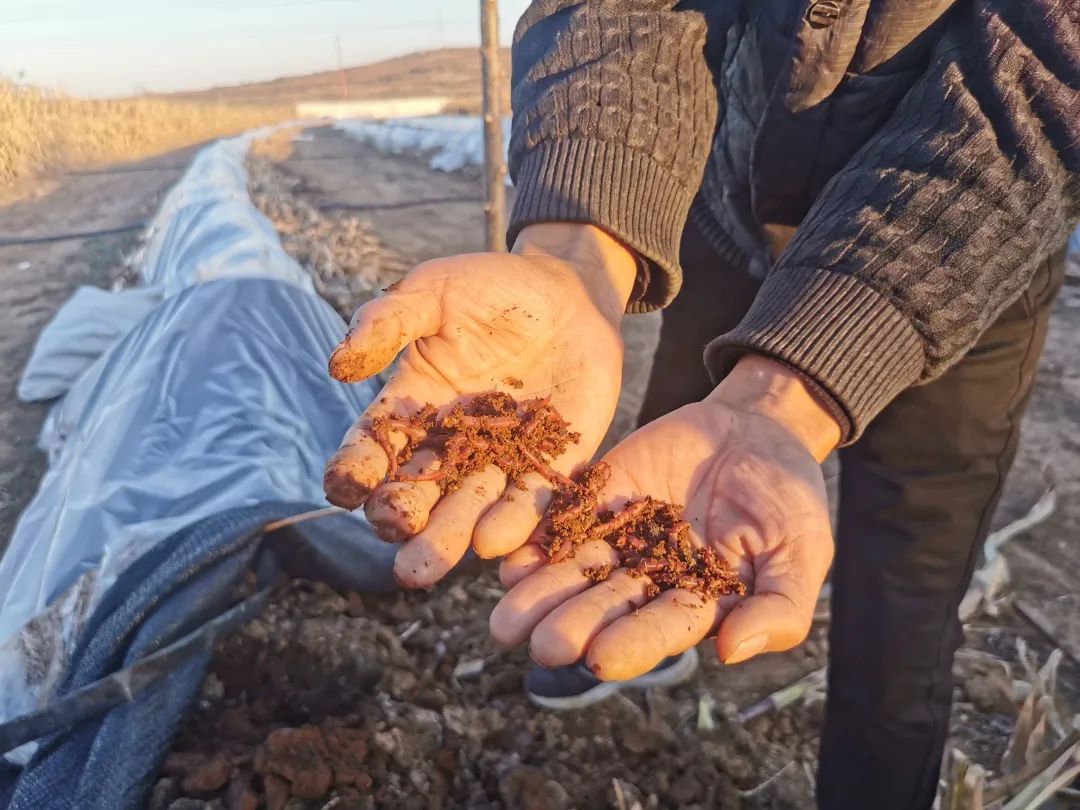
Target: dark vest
[803,86]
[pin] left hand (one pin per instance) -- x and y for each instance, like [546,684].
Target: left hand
[745,463]
[542,321]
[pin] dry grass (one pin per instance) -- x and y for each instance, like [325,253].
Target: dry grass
[44,132]
[341,252]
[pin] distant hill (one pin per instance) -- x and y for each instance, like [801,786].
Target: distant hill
[450,72]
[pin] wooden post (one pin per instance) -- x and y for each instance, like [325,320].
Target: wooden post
[494,162]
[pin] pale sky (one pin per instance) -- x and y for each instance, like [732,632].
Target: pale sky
[117,47]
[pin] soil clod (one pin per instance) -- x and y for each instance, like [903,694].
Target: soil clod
[489,429]
[650,536]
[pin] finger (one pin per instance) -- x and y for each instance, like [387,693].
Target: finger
[519,564]
[778,615]
[399,509]
[360,464]
[672,623]
[428,557]
[507,525]
[765,622]
[381,328]
[564,635]
[517,613]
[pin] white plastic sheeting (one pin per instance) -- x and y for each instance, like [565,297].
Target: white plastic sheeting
[82,330]
[1072,255]
[373,108]
[207,228]
[217,398]
[454,141]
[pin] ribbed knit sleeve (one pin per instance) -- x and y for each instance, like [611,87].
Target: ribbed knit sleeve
[939,222]
[614,113]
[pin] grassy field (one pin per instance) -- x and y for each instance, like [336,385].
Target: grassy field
[46,131]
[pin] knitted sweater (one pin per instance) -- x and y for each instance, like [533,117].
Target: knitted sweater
[896,169]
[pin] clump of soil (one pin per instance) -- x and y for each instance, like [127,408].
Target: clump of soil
[308,761]
[488,429]
[651,537]
[401,701]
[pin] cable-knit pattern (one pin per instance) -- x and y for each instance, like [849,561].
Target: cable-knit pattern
[932,220]
[947,212]
[627,80]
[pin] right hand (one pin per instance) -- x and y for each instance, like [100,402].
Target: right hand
[542,321]
[745,465]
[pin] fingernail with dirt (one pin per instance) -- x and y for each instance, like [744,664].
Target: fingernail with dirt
[747,648]
[343,366]
[342,488]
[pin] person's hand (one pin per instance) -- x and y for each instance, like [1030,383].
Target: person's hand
[541,322]
[744,462]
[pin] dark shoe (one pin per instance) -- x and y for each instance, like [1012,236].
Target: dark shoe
[574,686]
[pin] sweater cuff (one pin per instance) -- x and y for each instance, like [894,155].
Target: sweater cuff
[613,187]
[845,338]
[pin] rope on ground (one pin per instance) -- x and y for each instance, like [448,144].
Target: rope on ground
[303,517]
[392,206]
[16,241]
[184,166]
[13,241]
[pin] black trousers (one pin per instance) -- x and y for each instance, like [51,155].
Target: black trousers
[916,496]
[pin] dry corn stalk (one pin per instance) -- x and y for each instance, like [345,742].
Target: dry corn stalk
[966,784]
[988,583]
[808,687]
[344,257]
[1042,757]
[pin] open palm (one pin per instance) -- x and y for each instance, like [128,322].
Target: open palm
[751,491]
[523,324]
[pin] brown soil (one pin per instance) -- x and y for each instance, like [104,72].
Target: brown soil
[488,429]
[650,536]
[409,692]
[336,700]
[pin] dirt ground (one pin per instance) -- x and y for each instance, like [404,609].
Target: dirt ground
[439,720]
[35,279]
[356,701]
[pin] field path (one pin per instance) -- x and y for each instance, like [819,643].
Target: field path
[35,279]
